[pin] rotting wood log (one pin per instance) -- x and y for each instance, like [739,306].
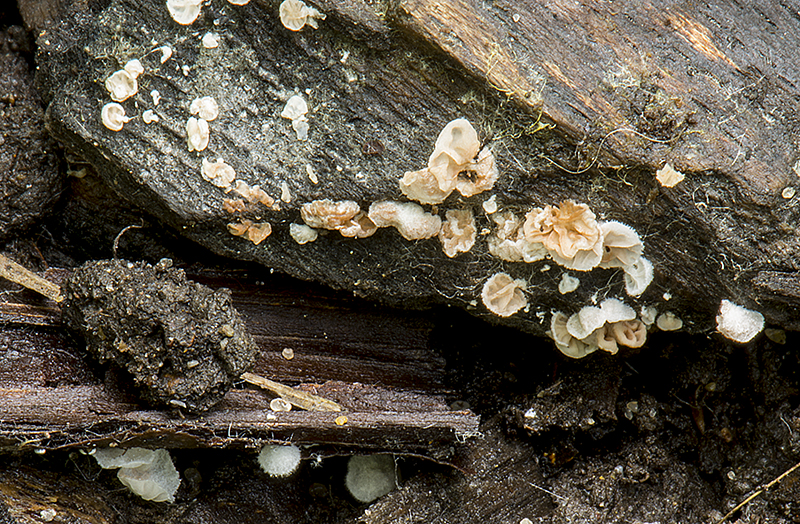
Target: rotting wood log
[583,102]
[391,387]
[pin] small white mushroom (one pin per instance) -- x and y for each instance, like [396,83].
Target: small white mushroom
[667,321]
[621,245]
[218,173]
[121,85]
[286,195]
[148,473]
[638,276]
[239,2]
[210,40]
[408,218]
[568,284]
[166,53]
[302,234]
[458,232]
[205,107]
[149,117]
[134,68]
[197,134]
[295,108]
[300,126]
[156,96]
[738,323]
[370,477]
[279,461]
[295,15]
[503,295]
[667,176]
[490,204]
[565,342]
[113,116]
[648,315]
[184,11]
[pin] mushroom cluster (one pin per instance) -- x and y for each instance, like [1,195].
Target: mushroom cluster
[606,327]
[295,15]
[344,216]
[148,473]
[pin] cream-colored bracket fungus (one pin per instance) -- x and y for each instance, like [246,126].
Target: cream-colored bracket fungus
[184,11]
[504,296]
[279,461]
[667,176]
[410,220]
[113,116]
[122,85]
[569,232]
[457,163]
[738,323]
[344,216]
[148,473]
[197,134]
[205,107]
[295,15]
[295,110]
[370,477]
[218,173]
[302,234]
[458,232]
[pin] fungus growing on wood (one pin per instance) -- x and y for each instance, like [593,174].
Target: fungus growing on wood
[667,321]
[565,342]
[197,134]
[121,85]
[667,176]
[508,241]
[606,327]
[295,110]
[457,162]
[458,232]
[184,11]
[738,323]
[113,116]
[638,276]
[621,245]
[255,232]
[503,295]
[410,220]
[149,116]
[148,473]
[253,194]
[302,234]
[279,461]
[205,107]
[590,318]
[568,284]
[630,333]
[218,173]
[370,477]
[210,40]
[344,216]
[295,15]
[569,232]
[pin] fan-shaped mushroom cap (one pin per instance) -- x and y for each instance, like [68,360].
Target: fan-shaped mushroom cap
[478,176]
[458,232]
[507,242]
[667,321]
[113,116]
[570,233]
[121,85]
[565,342]
[184,11]
[197,134]
[296,14]
[410,219]
[423,186]
[205,107]
[295,107]
[630,333]
[302,234]
[503,295]
[621,245]
[591,318]
[738,323]
[638,276]
[218,173]
[458,141]
[604,338]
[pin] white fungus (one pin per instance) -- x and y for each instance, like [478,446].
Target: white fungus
[370,477]
[569,232]
[205,107]
[134,68]
[121,85]
[113,116]
[667,176]
[295,110]
[568,284]
[280,405]
[667,321]
[638,276]
[166,53]
[184,11]
[344,216]
[648,315]
[148,473]
[302,234]
[413,222]
[738,323]
[149,117]
[565,342]
[591,318]
[621,245]
[458,232]
[286,195]
[508,241]
[295,15]
[218,173]
[239,2]
[197,134]
[490,204]
[503,295]
[156,96]
[210,40]
[279,461]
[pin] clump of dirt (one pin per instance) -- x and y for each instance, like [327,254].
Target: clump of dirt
[182,343]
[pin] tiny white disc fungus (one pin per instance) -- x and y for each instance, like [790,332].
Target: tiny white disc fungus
[210,40]
[570,233]
[279,405]
[638,276]
[197,134]
[667,176]
[344,216]
[458,232]
[295,108]
[205,107]
[149,117]
[301,127]
[490,204]
[410,219]
[148,473]
[113,116]
[503,295]
[239,2]
[370,477]
[302,234]
[788,192]
[166,53]
[295,15]
[667,321]
[568,284]
[218,173]
[738,323]
[134,68]
[622,246]
[286,195]
[565,342]
[184,11]
[279,461]
[121,85]
[156,96]
[648,315]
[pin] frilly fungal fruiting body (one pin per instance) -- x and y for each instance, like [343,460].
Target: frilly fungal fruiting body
[121,85]
[205,107]
[344,216]
[279,461]
[457,163]
[410,220]
[295,110]
[148,473]
[621,245]
[370,477]
[667,321]
[503,295]
[113,116]
[458,232]
[295,15]
[508,241]
[738,323]
[210,40]
[302,234]
[197,134]
[565,342]
[667,176]
[638,276]
[253,194]
[569,232]
[149,117]
[184,11]
[218,173]
[255,232]
[568,284]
